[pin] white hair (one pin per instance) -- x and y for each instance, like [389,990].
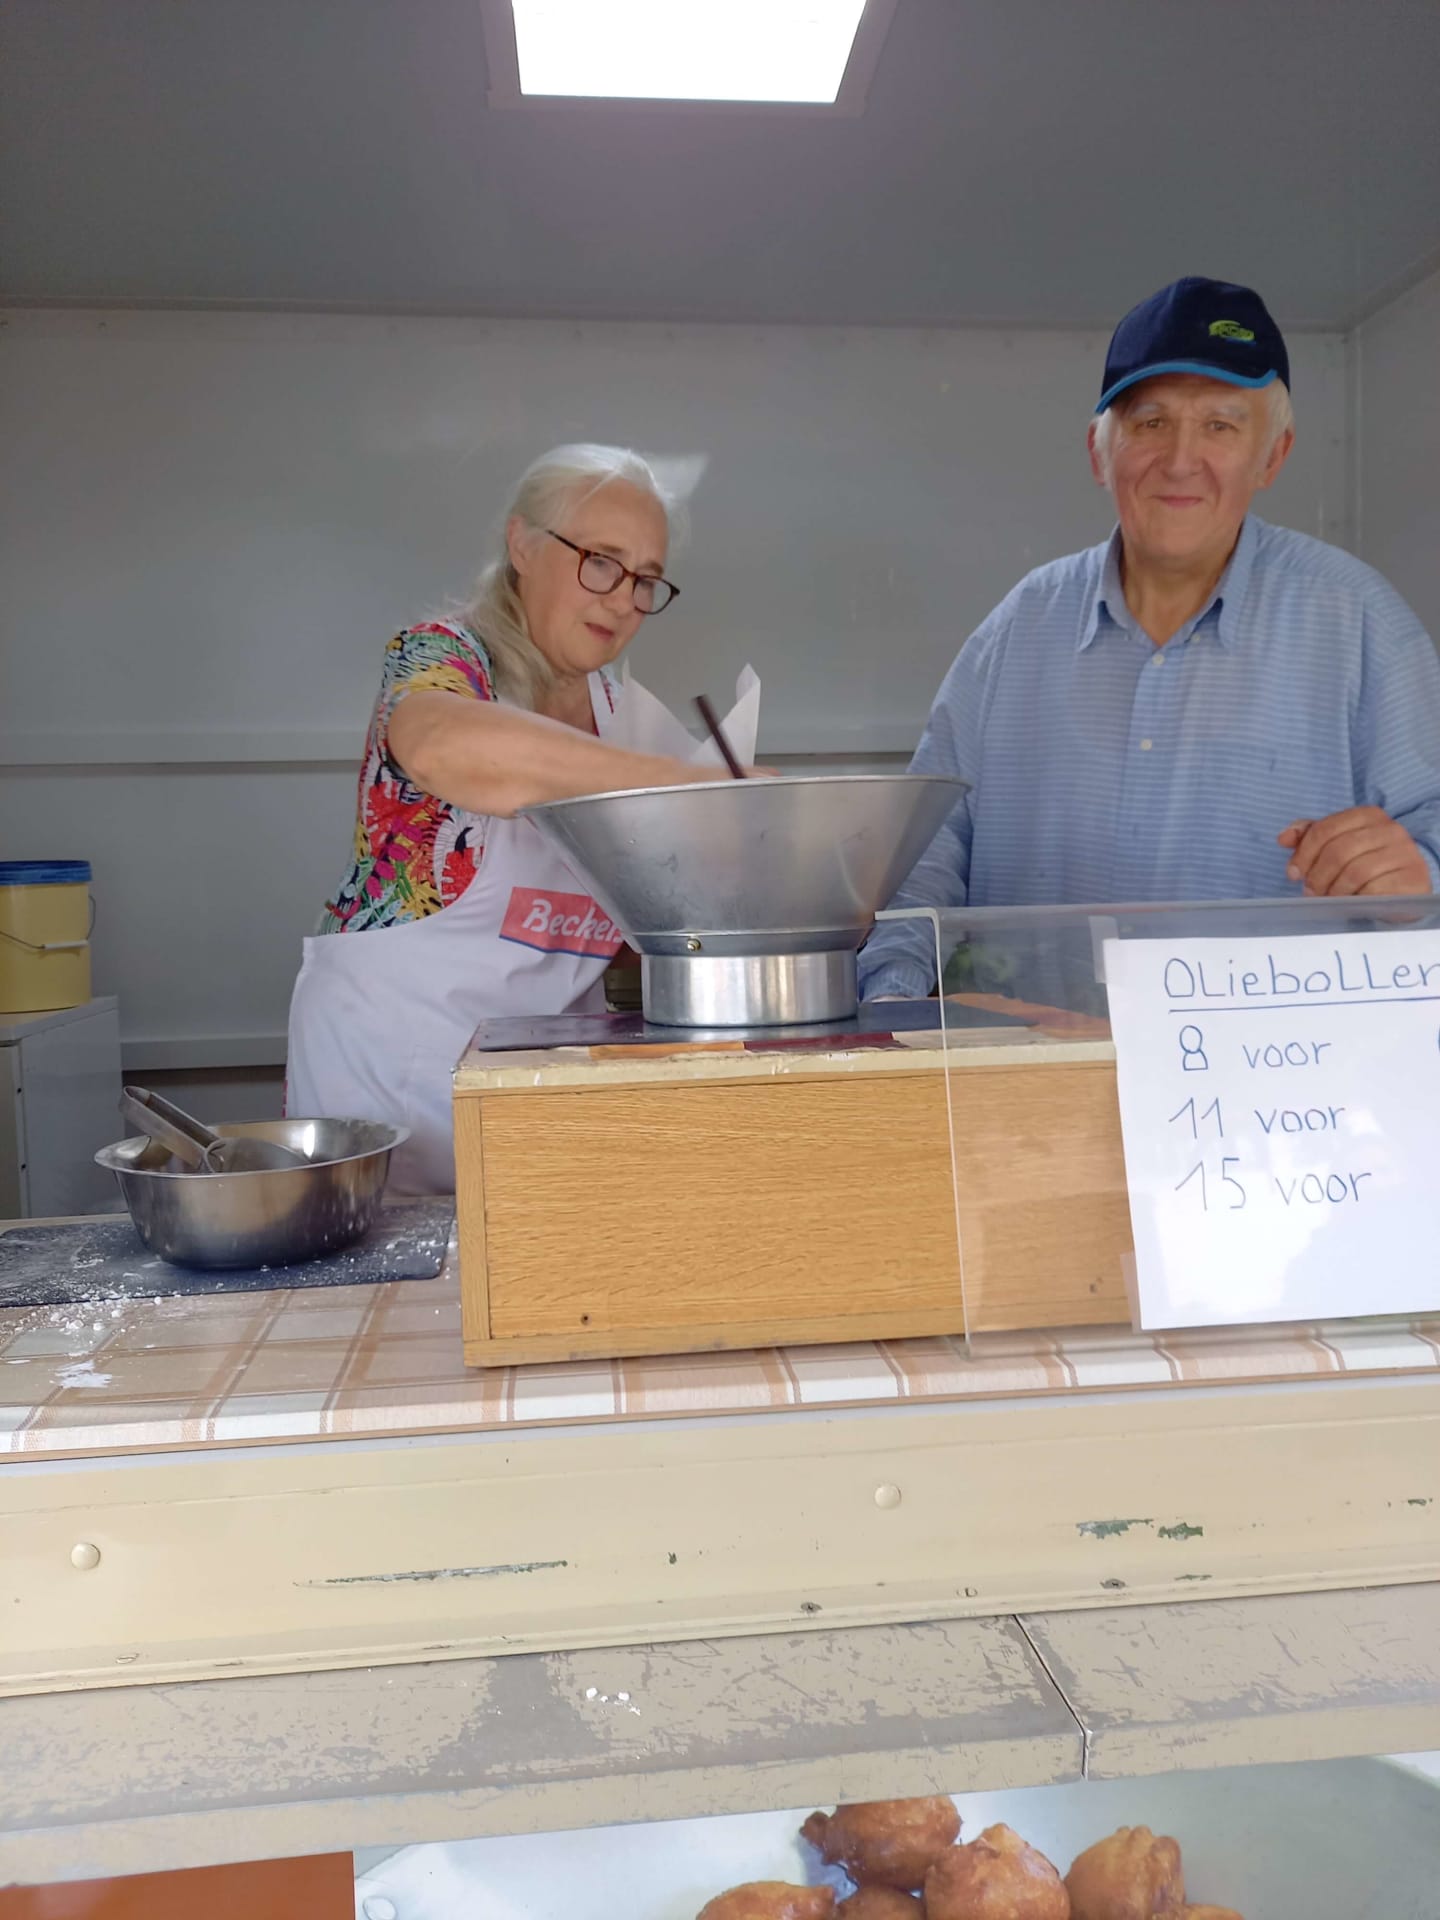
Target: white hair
[1277,401]
[549,489]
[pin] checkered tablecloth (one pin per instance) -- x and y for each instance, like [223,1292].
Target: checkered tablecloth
[364,1361]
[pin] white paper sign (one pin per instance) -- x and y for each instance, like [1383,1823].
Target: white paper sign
[1280,1104]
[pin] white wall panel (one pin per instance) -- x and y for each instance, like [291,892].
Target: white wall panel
[215,521]
[205,880]
[1397,451]
[210,524]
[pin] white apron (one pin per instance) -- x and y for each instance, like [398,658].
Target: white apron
[378,1019]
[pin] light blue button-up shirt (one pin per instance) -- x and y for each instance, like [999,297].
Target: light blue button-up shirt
[1105,768]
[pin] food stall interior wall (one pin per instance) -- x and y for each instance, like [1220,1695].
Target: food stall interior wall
[1396,444]
[246,506]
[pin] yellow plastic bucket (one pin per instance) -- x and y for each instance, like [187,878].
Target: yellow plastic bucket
[45,924]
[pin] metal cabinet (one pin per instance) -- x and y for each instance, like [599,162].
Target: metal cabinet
[59,1084]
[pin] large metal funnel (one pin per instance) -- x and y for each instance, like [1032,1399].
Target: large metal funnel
[741,876]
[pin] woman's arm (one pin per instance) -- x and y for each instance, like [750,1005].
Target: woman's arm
[487,758]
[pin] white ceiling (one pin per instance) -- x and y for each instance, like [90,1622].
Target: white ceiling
[1019,162]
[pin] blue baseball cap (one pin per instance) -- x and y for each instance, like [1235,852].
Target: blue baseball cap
[1209,327]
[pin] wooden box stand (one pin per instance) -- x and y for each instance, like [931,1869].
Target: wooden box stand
[639,1199]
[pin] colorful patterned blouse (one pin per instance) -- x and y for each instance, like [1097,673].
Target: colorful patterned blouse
[414,853]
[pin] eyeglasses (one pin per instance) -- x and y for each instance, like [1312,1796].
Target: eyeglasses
[602,573]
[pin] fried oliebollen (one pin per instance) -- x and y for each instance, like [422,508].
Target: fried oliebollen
[997,1877]
[1132,1875]
[885,1843]
[770,1900]
[881,1903]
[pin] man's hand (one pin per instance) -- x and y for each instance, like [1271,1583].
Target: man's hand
[1360,850]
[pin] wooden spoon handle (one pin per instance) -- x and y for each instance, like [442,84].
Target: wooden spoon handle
[717,734]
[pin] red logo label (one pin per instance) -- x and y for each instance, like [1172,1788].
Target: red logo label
[560,923]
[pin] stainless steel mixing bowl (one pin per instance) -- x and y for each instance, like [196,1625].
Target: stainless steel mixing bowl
[258,1219]
[747,899]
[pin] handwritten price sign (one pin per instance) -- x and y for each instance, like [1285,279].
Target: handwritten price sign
[1280,1104]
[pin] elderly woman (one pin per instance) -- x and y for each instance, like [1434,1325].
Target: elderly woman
[453,910]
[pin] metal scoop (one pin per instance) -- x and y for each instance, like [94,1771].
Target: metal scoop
[201,1149]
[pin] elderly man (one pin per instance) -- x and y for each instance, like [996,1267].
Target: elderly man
[1205,706]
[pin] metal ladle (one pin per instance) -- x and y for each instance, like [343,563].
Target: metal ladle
[200,1148]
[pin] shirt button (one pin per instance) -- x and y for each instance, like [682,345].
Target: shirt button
[1159,660]
[1146,745]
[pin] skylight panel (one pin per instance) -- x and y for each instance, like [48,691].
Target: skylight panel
[776,51]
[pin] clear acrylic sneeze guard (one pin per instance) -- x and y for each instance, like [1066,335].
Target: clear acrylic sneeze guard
[1219,1115]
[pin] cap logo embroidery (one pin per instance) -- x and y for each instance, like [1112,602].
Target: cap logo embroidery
[1229,330]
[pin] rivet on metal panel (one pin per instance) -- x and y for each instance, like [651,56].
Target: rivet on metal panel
[84,1555]
[887,1496]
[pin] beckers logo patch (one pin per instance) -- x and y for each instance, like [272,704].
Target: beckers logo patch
[560,923]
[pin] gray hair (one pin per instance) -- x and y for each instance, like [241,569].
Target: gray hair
[1277,400]
[549,489]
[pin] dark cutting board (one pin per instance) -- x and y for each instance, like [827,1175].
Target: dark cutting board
[103,1259]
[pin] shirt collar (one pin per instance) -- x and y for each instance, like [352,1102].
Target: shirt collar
[1228,597]
[1108,594]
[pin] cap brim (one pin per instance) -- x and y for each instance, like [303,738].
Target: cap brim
[1203,368]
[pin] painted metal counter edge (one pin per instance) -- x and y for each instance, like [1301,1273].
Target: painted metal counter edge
[295,1557]
[128,1781]
[123,1782]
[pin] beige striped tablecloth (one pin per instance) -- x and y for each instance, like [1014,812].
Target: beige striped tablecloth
[232,1369]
